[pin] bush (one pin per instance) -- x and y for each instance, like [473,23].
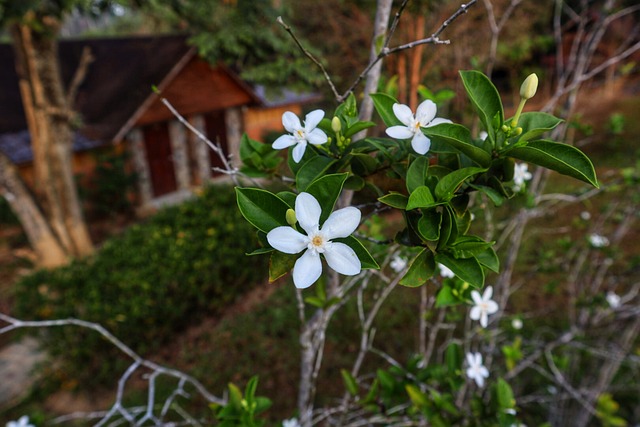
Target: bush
[147,284]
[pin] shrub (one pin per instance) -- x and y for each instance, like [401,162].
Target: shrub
[147,284]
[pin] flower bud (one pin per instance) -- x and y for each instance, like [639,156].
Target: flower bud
[529,86]
[291,217]
[335,124]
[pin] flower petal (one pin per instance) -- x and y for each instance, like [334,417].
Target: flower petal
[298,151]
[291,122]
[487,294]
[341,223]
[475,296]
[342,259]
[317,137]
[308,212]
[420,143]
[484,319]
[426,112]
[307,269]
[283,141]
[287,240]
[399,132]
[475,312]
[312,119]
[403,113]
[437,121]
[492,306]
[470,359]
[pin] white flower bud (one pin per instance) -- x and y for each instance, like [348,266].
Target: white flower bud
[529,86]
[335,124]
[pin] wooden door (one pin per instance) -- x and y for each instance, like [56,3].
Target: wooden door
[157,144]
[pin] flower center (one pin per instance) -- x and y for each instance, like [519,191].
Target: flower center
[317,243]
[300,134]
[416,126]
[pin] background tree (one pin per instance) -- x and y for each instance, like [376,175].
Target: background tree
[51,216]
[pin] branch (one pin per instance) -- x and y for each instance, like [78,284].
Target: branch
[118,408]
[86,58]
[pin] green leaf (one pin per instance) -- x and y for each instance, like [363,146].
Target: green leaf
[357,127]
[453,358]
[250,389]
[349,382]
[363,164]
[395,200]
[448,184]
[562,158]
[495,196]
[489,259]
[445,297]
[421,269]
[264,210]
[505,395]
[326,190]
[387,381]
[535,124]
[429,225]
[315,301]
[311,170]
[467,269]
[420,198]
[417,173]
[384,106]
[418,398]
[469,246]
[235,396]
[458,137]
[366,260]
[280,264]
[485,98]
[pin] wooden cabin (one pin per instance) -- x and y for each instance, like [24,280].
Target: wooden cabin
[118,107]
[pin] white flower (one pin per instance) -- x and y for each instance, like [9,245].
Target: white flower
[484,306]
[585,215]
[22,422]
[598,241]
[483,135]
[398,263]
[520,175]
[425,117]
[339,256]
[613,299]
[516,323]
[292,422]
[445,272]
[300,135]
[476,370]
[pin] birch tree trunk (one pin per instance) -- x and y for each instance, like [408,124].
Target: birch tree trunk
[49,119]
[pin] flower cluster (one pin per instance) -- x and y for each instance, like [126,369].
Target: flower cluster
[23,421]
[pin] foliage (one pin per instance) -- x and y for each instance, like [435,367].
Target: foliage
[242,410]
[109,189]
[153,280]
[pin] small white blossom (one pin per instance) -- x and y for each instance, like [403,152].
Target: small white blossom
[520,176]
[483,135]
[398,263]
[483,306]
[585,215]
[301,135]
[613,299]
[22,422]
[292,422]
[516,323]
[445,271]
[425,117]
[598,241]
[476,370]
[339,256]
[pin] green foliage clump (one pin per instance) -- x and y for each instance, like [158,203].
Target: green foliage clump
[143,286]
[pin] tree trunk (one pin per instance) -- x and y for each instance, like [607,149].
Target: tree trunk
[49,121]
[48,250]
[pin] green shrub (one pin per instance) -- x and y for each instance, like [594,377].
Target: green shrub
[145,285]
